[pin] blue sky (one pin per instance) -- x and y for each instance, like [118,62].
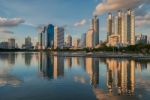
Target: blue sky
[74,14]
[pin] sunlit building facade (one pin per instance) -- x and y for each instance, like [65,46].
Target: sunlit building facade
[124,26]
[59,37]
[95,24]
[109,25]
[130,27]
[76,42]
[90,38]
[68,41]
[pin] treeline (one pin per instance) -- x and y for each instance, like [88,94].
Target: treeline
[17,50]
[138,48]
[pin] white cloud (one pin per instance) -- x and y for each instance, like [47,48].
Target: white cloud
[5,31]
[143,20]
[5,22]
[112,5]
[80,23]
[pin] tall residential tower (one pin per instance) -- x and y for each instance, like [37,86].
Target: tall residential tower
[58,37]
[95,24]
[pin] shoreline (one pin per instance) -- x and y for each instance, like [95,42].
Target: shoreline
[104,55]
[91,54]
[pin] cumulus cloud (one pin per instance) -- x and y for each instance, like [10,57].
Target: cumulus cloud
[143,20]
[112,5]
[5,31]
[80,23]
[5,22]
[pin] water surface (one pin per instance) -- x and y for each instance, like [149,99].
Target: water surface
[41,76]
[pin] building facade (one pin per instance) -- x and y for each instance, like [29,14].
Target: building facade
[11,43]
[76,42]
[58,37]
[124,26]
[50,36]
[28,43]
[82,43]
[130,27]
[95,24]
[141,39]
[90,38]
[68,41]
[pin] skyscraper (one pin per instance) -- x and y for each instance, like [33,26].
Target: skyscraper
[90,38]
[58,37]
[68,40]
[50,36]
[28,43]
[82,43]
[130,27]
[40,40]
[46,37]
[124,26]
[110,24]
[76,42]
[11,43]
[95,24]
[119,29]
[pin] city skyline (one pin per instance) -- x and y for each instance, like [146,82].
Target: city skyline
[21,19]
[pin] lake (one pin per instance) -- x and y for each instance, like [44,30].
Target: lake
[41,76]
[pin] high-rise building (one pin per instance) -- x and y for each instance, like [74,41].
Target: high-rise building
[11,43]
[28,43]
[50,36]
[68,41]
[141,39]
[90,38]
[123,25]
[46,37]
[130,27]
[110,24]
[40,41]
[76,42]
[120,24]
[58,37]
[4,45]
[95,24]
[82,43]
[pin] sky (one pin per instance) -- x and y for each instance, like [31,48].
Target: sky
[22,18]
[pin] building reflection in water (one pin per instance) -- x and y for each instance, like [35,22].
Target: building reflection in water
[92,68]
[6,78]
[76,61]
[68,61]
[58,67]
[46,65]
[51,67]
[28,58]
[8,57]
[121,73]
